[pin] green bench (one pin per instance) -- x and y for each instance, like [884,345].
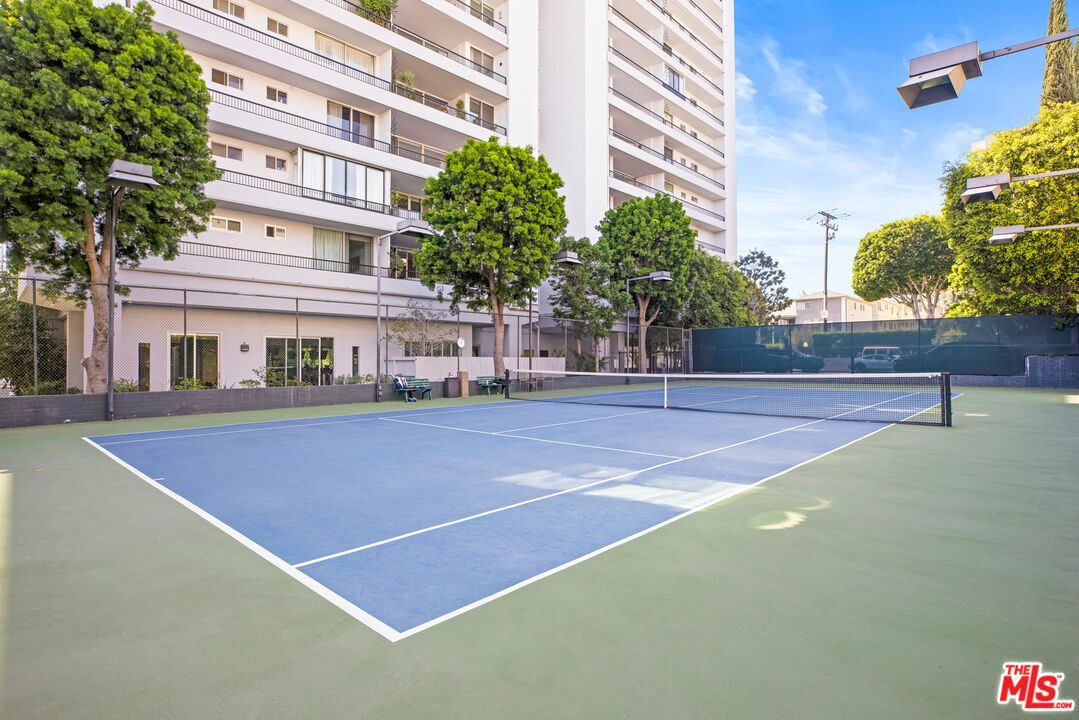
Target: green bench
[415,387]
[487,383]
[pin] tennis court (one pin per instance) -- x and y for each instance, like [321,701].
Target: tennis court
[405,519]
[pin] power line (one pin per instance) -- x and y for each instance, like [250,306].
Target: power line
[829,220]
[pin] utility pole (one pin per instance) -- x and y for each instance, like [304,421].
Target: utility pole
[829,220]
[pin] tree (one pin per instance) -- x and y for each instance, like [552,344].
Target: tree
[83,86]
[642,236]
[766,274]
[1061,81]
[1039,272]
[420,331]
[498,217]
[718,296]
[908,260]
[580,294]
[17,344]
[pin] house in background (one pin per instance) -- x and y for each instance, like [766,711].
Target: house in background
[842,308]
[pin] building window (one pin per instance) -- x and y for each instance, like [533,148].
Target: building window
[144,367]
[315,365]
[482,9]
[277,27]
[412,203]
[277,96]
[481,110]
[226,224]
[276,163]
[341,251]
[355,125]
[673,80]
[435,348]
[226,78]
[805,305]
[231,152]
[343,178]
[229,8]
[193,361]
[482,59]
[275,231]
[347,54]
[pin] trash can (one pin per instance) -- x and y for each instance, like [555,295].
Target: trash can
[452,388]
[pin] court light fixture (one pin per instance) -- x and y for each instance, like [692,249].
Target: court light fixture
[1010,233]
[567,257]
[940,76]
[989,187]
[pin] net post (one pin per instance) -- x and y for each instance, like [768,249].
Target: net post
[506,384]
[665,406]
[946,398]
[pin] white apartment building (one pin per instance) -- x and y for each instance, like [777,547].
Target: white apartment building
[327,122]
[842,308]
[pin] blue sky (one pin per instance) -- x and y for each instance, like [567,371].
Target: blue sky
[821,126]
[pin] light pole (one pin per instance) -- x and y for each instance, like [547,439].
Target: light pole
[989,187]
[1010,233]
[123,176]
[657,276]
[940,76]
[416,227]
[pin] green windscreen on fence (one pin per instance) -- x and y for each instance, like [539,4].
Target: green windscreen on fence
[963,346]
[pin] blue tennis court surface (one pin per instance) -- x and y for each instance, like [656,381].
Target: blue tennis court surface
[406,518]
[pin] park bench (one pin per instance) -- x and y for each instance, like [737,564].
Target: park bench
[487,383]
[415,387]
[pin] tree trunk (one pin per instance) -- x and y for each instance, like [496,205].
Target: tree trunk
[96,361]
[577,340]
[595,352]
[497,308]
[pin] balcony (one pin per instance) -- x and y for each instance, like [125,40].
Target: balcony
[223,23]
[701,45]
[417,38]
[667,53]
[695,211]
[637,107]
[676,167]
[298,262]
[424,155]
[654,79]
[468,8]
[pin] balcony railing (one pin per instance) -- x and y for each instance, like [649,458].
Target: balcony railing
[664,158]
[417,38]
[238,28]
[655,115]
[666,49]
[299,121]
[664,84]
[687,31]
[706,15]
[284,188]
[468,7]
[301,262]
[618,175]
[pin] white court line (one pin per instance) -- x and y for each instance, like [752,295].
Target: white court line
[366,618]
[295,424]
[548,496]
[393,635]
[524,437]
[574,422]
[714,402]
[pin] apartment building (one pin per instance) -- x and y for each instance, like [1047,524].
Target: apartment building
[327,121]
[842,308]
[636,97]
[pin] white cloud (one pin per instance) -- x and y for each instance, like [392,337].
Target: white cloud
[743,88]
[954,143]
[853,97]
[790,79]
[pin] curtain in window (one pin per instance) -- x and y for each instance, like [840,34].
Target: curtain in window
[329,246]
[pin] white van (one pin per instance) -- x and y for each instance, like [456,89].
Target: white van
[876,358]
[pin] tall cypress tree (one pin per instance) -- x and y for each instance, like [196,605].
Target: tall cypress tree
[1061,82]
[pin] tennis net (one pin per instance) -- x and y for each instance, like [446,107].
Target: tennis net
[918,399]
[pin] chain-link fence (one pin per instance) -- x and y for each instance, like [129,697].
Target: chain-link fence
[964,346]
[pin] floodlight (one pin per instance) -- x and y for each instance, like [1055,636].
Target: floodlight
[986,189]
[940,76]
[1006,235]
[567,257]
[135,176]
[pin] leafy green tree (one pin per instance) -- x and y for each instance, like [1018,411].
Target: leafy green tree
[908,260]
[581,294]
[1039,272]
[762,269]
[1061,81]
[83,86]
[498,218]
[642,236]
[17,344]
[718,296]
